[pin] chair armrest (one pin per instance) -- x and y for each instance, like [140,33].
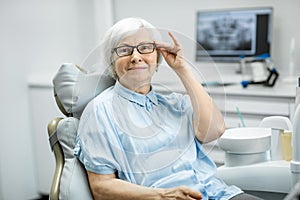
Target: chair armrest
[59,158]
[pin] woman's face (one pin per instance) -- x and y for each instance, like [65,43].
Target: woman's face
[136,70]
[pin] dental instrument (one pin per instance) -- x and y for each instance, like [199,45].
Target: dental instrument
[240,116]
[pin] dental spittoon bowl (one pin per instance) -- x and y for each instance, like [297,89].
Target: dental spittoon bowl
[246,140]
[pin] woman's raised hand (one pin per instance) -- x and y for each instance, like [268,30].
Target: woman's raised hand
[172,53]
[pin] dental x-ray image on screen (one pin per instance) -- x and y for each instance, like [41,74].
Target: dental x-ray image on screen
[227,35]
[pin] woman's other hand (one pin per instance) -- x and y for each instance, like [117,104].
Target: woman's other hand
[181,193]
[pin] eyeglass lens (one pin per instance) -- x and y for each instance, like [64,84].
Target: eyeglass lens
[141,48]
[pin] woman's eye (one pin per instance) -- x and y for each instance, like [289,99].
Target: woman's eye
[144,47]
[125,49]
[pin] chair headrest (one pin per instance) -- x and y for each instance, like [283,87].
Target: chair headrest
[74,87]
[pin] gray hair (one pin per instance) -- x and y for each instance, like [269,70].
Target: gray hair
[117,32]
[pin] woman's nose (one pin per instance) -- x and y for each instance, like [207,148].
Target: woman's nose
[136,56]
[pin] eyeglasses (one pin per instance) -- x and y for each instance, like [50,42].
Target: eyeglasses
[127,50]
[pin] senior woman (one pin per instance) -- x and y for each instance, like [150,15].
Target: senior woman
[139,144]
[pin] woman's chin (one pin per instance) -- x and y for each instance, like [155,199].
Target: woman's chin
[135,81]
[136,78]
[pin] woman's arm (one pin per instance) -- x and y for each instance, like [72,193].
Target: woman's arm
[106,187]
[208,120]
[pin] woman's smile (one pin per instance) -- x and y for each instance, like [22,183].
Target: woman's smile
[137,68]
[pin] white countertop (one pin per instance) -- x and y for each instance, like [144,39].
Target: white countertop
[279,90]
[285,90]
[41,80]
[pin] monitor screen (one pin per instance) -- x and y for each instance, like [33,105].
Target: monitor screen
[228,35]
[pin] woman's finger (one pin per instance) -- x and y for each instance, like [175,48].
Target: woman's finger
[167,47]
[164,45]
[171,48]
[174,39]
[195,194]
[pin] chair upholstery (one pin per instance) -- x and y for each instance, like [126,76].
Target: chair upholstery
[73,89]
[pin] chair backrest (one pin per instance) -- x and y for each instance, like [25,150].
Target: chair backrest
[73,89]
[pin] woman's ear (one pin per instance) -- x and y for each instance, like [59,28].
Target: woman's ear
[159,58]
[114,72]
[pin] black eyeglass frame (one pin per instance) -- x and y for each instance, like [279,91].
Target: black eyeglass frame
[135,47]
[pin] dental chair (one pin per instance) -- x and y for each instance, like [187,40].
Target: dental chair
[73,89]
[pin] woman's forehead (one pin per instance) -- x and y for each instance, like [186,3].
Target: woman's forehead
[137,37]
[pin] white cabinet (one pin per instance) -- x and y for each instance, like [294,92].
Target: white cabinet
[254,102]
